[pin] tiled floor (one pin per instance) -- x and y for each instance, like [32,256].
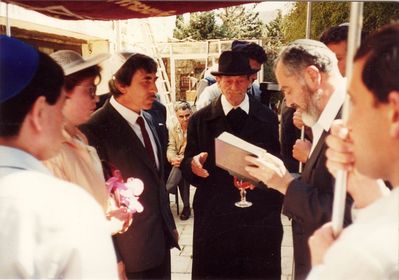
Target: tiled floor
[181,260]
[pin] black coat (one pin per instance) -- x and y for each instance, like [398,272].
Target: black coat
[142,247]
[308,202]
[231,242]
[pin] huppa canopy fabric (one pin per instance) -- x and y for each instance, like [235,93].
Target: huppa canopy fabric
[119,9]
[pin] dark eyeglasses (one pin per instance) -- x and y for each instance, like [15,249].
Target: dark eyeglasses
[91,90]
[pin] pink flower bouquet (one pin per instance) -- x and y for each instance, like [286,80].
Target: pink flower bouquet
[126,193]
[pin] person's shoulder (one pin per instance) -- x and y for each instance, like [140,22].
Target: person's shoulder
[40,188]
[261,111]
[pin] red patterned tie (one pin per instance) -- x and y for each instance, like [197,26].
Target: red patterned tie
[146,137]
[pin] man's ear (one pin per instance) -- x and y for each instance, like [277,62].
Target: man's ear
[120,87]
[37,113]
[393,100]
[312,77]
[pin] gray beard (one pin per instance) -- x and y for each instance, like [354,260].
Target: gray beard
[312,115]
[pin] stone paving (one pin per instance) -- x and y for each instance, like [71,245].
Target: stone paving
[181,260]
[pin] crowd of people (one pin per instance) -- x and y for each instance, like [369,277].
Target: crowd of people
[67,166]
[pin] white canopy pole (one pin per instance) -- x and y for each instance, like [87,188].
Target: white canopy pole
[308,25]
[8,27]
[355,28]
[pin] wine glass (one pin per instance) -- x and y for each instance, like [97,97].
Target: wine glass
[242,186]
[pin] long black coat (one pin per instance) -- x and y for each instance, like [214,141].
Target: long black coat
[308,202]
[231,242]
[143,245]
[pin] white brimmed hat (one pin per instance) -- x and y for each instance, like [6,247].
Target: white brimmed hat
[72,62]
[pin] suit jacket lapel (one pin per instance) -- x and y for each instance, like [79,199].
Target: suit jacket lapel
[124,131]
[313,158]
[148,118]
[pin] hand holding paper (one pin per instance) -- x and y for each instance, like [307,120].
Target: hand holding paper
[270,170]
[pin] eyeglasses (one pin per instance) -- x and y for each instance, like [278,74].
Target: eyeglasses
[91,90]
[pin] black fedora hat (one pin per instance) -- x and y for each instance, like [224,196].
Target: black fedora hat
[232,63]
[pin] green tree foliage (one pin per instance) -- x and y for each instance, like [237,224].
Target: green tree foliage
[232,22]
[273,40]
[202,26]
[327,14]
[241,23]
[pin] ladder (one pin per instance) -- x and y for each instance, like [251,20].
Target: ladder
[163,82]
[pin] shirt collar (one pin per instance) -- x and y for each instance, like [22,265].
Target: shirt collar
[227,107]
[13,157]
[129,115]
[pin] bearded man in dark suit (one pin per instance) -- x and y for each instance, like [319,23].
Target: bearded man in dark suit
[308,74]
[125,137]
[231,242]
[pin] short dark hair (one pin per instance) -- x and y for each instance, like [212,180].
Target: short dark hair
[305,52]
[337,34]
[252,50]
[126,72]
[47,81]
[75,78]
[381,69]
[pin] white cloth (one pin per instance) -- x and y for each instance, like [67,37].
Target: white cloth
[227,107]
[328,115]
[50,228]
[131,118]
[209,94]
[367,249]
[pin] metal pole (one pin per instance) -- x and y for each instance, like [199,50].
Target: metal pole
[8,27]
[355,28]
[308,25]
[308,19]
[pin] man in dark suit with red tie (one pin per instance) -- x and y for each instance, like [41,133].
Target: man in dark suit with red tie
[125,138]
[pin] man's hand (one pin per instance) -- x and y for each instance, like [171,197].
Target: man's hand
[340,156]
[297,118]
[270,170]
[340,149]
[301,150]
[320,242]
[197,165]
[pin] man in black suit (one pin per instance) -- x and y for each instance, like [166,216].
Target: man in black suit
[308,74]
[231,242]
[125,137]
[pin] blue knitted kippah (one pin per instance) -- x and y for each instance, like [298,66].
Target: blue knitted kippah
[18,65]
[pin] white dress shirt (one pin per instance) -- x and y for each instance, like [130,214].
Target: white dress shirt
[50,228]
[368,248]
[227,107]
[328,115]
[131,118]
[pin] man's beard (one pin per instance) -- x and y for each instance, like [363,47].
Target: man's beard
[312,114]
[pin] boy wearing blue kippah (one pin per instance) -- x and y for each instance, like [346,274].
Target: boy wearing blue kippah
[51,228]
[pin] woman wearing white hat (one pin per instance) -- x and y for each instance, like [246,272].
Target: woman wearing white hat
[78,162]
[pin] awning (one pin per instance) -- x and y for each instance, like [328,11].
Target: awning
[119,9]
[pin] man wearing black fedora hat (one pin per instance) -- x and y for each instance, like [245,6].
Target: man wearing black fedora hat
[257,57]
[231,242]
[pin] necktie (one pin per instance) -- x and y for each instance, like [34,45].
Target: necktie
[237,119]
[146,137]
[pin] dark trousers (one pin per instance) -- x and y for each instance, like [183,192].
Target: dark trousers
[163,271]
[176,179]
